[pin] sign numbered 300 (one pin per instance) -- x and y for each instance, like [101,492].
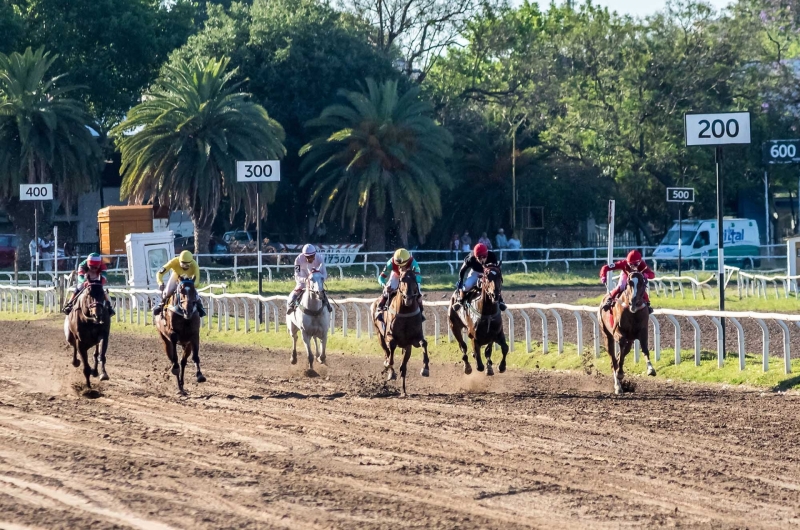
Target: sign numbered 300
[36,192]
[680,194]
[258,171]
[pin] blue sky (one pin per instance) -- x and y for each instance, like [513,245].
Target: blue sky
[644,7]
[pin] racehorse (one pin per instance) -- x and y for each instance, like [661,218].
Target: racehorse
[625,323]
[312,318]
[402,327]
[180,324]
[483,322]
[87,325]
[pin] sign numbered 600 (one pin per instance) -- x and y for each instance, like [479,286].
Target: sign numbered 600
[782,152]
[36,192]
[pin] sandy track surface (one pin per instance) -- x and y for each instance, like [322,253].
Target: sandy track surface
[262,445]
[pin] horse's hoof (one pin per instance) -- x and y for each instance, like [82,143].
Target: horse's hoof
[392,376]
[176,370]
[651,372]
[479,367]
[502,368]
[201,378]
[76,363]
[95,373]
[321,360]
[467,369]
[103,376]
[618,390]
[293,360]
[425,372]
[386,364]
[489,370]
[181,392]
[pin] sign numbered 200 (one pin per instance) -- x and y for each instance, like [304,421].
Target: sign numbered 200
[718,128]
[36,192]
[258,171]
[680,194]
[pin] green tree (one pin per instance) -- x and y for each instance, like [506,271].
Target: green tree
[44,135]
[184,140]
[378,153]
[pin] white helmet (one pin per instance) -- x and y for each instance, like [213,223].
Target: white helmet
[309,250]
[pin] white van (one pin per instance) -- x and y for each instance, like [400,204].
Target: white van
[699,242]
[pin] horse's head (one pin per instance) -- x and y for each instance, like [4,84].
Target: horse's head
[187,297]
[633,296]
[408,288]
[491,282]
[316,284]
[93,303]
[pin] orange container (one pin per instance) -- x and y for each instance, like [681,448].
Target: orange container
[115,222]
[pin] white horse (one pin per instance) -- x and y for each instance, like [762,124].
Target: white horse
[312,318]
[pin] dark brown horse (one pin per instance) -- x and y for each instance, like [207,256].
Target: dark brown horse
[87,326]
[483,322]
[402,327]
[179,324]
[625,323]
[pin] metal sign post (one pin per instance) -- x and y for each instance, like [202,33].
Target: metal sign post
[611,215]
[256,172]
[36,193]
[680,195]
[718,129]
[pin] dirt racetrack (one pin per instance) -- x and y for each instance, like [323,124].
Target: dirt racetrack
[261,445]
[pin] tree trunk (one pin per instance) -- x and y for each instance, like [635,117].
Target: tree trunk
[202,235]
[21,215]
[376,234]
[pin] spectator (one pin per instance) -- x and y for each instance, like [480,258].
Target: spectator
[501,240]
[466,242]
[514,245]
[455,245]
[69,248]
[47,253]
[485,240]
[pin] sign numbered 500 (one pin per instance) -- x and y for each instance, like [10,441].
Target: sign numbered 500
[680,194]
[36,192]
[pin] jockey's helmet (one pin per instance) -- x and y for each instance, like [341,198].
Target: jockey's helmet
[310,252]
[401,257]
[94,260]
[186,259]
[481,251]
[634,258]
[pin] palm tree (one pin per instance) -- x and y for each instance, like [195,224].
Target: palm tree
[44,136]
[379,149]
[180,145]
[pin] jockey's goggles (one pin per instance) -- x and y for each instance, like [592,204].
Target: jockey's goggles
[635,263]
[185,265]
[310,258]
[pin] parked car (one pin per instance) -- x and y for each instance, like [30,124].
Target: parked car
[8,249]
[184,243]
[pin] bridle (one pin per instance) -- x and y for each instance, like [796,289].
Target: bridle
[489,279]
[96,303]
[408,283]
[636,287]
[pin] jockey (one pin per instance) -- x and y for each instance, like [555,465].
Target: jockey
[390,277]
[183,267]
[474,264]
[633,263]
[305,264]
[90,269]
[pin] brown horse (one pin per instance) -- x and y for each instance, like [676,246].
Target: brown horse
[625,323]
[483,322]
[180,324]
[402,327]
[86,326]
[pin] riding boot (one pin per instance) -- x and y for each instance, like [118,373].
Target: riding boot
[649,309]
[200,309]
[157,310]
[460,299]
[110,308]
[500,302]
[381,307]
[609,303]
[422,310]
[67,309]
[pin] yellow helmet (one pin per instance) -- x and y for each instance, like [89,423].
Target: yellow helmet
[186,257]
[401,256]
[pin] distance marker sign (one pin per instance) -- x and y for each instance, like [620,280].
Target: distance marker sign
[717,128]
[258,171]
[36,192]
[680,194]
[781,152]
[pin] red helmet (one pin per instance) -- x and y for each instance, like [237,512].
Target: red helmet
[94,260]
[634,257]
[480,250]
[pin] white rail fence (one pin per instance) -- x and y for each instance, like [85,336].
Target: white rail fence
[250,313]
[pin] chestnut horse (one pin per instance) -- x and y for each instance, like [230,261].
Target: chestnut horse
[483,322]
[180,324]
[402,327]
[625,323]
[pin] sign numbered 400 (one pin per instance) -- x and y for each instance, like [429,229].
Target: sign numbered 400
[36,192]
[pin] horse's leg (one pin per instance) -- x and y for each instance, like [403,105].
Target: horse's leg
[196,360]
[293,332]
[646,350]
[501,340]
[487,352]
[613,354]
[307,343]
[87,369]
[404,366]
[390,361]
[103,350]
[95,373]
[187,351]
[323,342]
[74,342]
[425,372]
[457,328]
[176,369]
[476,353]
